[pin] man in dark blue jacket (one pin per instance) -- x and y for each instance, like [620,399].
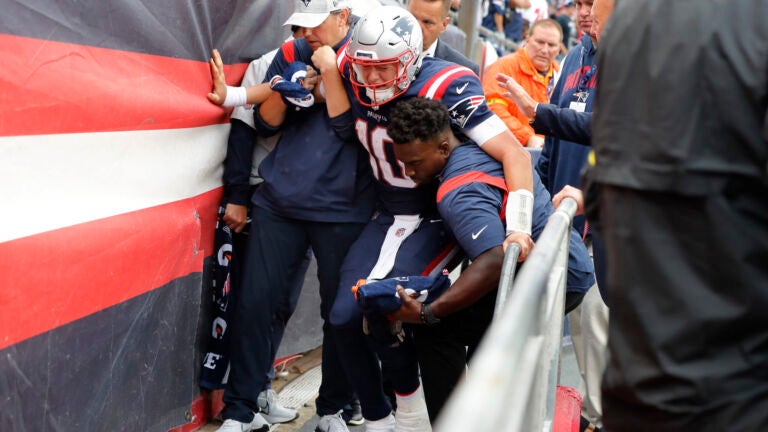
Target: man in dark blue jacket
[317,191]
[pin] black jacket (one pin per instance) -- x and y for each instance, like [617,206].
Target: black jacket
[683,100]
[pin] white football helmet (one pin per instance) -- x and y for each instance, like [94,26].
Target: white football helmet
[387,35]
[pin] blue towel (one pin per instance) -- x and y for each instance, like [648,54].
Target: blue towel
[380,297]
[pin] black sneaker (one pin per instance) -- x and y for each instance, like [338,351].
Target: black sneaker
[353,414]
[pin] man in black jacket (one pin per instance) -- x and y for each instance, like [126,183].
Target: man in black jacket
[680,133]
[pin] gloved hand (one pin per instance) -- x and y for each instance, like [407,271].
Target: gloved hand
[290,87]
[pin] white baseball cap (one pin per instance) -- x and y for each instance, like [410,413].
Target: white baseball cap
[312,13]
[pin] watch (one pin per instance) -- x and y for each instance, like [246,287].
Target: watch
[427,316]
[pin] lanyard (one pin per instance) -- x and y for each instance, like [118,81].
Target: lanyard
[586,77]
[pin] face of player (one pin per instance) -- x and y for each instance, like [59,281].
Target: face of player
[379,80]
[330,32]
[380,76]
[424,160]
[584,15]
[431,19]
[542,47]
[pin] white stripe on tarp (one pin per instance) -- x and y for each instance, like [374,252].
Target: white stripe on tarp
[54,181]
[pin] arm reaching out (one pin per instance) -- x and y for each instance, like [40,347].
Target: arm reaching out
[224,95]
[570,192]
[517,94]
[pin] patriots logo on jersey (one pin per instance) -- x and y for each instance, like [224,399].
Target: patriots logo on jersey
[404,28]
[463,110]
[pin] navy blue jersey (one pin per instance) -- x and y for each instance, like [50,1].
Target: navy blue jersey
[313,173]
[471,202]
[470,199]
[459,89]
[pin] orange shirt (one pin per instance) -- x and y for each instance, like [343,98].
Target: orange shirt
[519,66]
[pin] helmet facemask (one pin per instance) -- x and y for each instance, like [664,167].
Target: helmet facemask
[382,92]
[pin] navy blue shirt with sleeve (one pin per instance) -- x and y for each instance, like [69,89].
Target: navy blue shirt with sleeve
[471,202]
[314,173]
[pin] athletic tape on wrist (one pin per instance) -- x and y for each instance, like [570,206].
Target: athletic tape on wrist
[236,96]
[519,211]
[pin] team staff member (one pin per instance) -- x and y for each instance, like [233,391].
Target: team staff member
[318,192]
[469,199]
[245,150]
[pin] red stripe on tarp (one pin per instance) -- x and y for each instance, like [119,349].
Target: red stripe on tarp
[54,278]
[53,87]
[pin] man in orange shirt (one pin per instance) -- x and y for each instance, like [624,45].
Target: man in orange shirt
[534,67]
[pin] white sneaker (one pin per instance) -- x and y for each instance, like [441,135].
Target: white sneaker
[411,414]
[258,424]
[417,421]
[272,411]
[332,423]
[386,424]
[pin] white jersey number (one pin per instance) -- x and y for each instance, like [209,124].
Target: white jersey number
[385,166]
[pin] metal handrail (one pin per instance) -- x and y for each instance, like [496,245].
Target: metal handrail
[508,269]
[508,44]
[467,21]
[513,376]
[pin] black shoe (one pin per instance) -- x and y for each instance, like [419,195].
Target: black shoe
[586,425]
[353,414]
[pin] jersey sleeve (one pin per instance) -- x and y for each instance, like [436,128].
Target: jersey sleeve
[462,92]
[289,52]
[471,212]
[254,75]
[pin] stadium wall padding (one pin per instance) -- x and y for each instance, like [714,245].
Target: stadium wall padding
[110,177]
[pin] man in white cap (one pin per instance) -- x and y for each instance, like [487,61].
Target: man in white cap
[326,210]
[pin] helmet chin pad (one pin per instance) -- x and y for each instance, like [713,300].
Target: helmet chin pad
[379,96]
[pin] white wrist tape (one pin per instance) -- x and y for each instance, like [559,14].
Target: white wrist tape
[236,96]
[519,212]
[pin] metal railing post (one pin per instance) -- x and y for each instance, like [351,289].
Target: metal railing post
[467,21]
[513,376]
[508,269]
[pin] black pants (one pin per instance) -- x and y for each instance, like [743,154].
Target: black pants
[277,247]
[688,334]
